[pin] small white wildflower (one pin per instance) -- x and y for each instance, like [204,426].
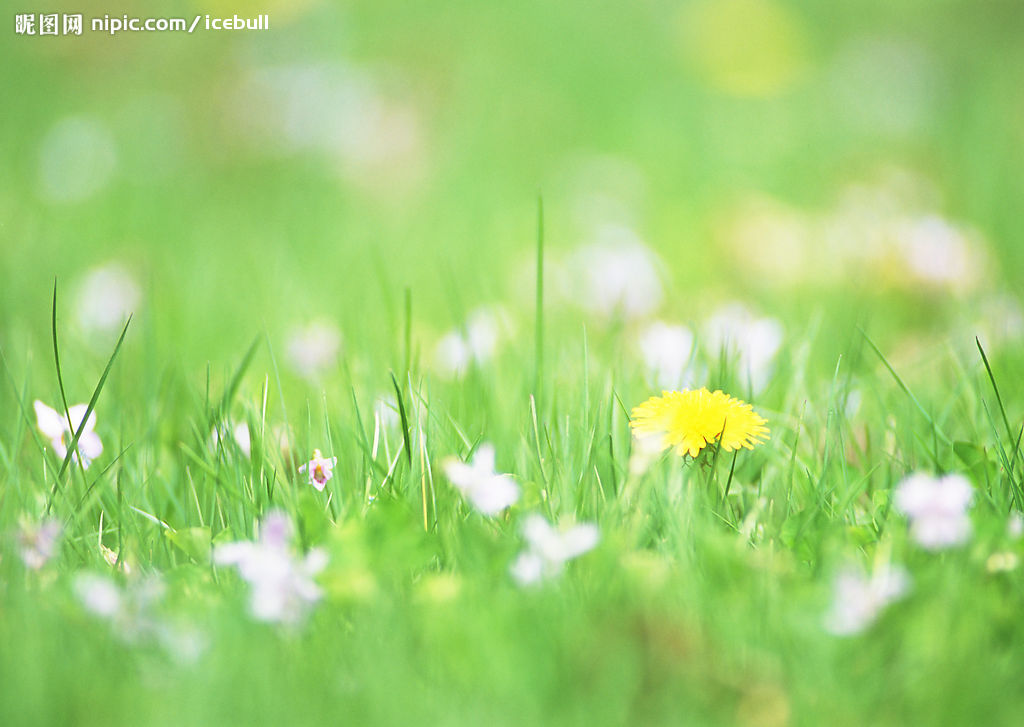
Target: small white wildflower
[54,427]
[937,509]
[859,599]
[548,549]
[129,609]
[667,352]
[239,433]
[475,343]
[98,594]
[735,331]
[938,252]
[616,274]
[282,584]
[646,449]
[1015,526]
[320,469]
[105,298]
[37,544]
[314,349]
[488,491]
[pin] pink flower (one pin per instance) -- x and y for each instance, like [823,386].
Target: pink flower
[320,469]
[282,583]
[38,544]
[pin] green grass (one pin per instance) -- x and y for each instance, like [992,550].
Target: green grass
[705,600]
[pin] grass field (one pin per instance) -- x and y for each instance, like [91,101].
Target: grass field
[364,249]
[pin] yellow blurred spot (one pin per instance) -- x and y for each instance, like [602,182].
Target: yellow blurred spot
[744,47]
[763,705]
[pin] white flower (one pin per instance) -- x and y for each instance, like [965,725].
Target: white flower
[937,509]
[488,491]
[239,433]
[735,331]
[38,544]
[320,469]
[55,427]
[1015,525]
[859,599]
[645,451]
[667,352]
[128,609]
[475,343]
[617,274]
[106,296]
[938,252]
[314,349]
[282,584]
[98,594]
[548,549]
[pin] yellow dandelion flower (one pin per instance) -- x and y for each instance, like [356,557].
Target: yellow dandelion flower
[690,420]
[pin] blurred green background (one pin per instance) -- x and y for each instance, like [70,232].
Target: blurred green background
[257,180]
[356,184]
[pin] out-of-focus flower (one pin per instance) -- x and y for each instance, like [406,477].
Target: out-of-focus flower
[689,420]
[129,610]
[744,47]
[320,469]
[1002,562]
[734,331]
[937,509]
[77,159]
[282,584]
[859,599]
[385,410]
[37,544]
[55,428]
[646,449]
[775,243]
[99,594]
[314,349]
[475,343]
[238,432]
[667,351]
[106,296]
[616,274]
[937,252]
[365,123]
[1015,526]
[548,549]
[488,491]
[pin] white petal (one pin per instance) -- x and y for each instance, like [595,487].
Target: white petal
[77,412]
[459,473]
[90,446]
[528,568]
[494,494]
[483,460]
[579,540]
[50,423]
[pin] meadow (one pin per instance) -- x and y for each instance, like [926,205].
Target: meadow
[338,358]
